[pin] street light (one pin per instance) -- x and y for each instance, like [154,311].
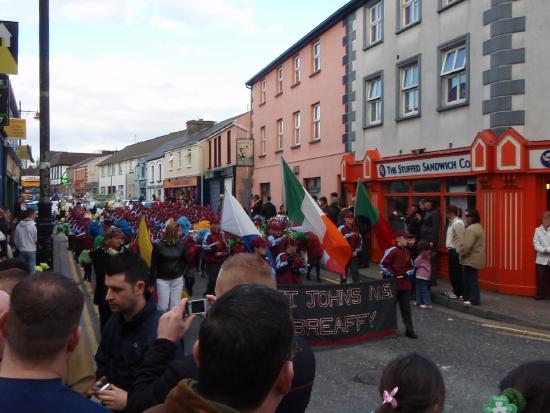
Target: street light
[45,223]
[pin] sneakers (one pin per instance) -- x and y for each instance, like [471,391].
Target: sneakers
[467,303]
[450,295]
[425,306]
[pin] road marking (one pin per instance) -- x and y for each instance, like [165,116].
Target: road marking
[330,280]
[94,339]
[519,332]
[523,336]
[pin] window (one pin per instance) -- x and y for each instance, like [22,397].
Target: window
[297,64]
[445,4]
[374,101]
[103,172]
[316,57]
[228,146]
[188,158]
[120,168]
[209,154]
[152,177]
[316,116]
[265,190]
[215,152]
[219,138]
[454,82]
[131,166]
[280,80]
[409,13]
[263,89]
[409,88]
[102,190]
[375,23]
[159,166]
[170,161]
[280,135]
[313,186]
[262,140]
[297,122]
[179,160]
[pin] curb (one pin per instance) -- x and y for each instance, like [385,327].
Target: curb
[479,311]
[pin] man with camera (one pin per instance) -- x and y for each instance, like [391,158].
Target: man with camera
[244,355]
[41,330]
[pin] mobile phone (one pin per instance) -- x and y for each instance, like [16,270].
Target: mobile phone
[196,307]
[99,385]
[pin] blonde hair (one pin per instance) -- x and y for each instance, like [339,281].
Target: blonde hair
[171,232]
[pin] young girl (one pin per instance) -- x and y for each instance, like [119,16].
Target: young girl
[423,267]
[411,383]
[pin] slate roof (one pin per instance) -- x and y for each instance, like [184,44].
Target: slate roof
[203,134]
[69,158]
[161,150]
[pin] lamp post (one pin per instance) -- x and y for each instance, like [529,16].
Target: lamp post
[45,224]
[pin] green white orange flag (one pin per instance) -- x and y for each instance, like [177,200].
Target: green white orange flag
[303,211]
[364,208]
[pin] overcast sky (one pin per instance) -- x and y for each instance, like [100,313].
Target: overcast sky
[123,71]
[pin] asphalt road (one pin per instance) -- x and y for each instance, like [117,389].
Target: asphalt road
[473,354]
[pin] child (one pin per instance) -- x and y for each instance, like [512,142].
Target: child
[423,267]
[526,387]
[411,383]
[397,263]
[289,265]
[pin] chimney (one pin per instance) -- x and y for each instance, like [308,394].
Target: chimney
[194,126]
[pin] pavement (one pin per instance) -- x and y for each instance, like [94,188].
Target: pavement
[522,311]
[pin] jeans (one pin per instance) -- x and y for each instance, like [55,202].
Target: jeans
[423,292]
[28,257]
[455,272]
[470,286]
[169,293]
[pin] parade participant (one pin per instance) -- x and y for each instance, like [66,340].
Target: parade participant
[215,251]
[525,387]
[130,331]
[167,266]
[397,263]
[472,257]
[455,235]
[235,245]
[411,383]
[423,271]
[541,242]
[276,236]
[192,255]
[268,210]
[289,265]
[315,251]
[260,246]
[351,233]
[113,244]
[41,330]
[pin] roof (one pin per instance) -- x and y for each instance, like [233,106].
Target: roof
[139,149]
[69,158]
[90,161]
[333,19]
[205,133]
[159,152]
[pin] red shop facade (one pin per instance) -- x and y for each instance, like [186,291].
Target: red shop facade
[506,177]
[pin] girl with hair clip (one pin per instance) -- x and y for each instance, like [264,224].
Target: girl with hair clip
[525,389]
[411,384]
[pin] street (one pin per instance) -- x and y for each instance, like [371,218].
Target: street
[473,354]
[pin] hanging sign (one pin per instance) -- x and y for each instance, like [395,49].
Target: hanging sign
[9,32]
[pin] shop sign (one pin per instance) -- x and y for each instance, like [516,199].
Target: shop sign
[180,182]
[16,129]
[209,175]
[427,166]
[9,33]
[226,173]
[539,159]
[245,152]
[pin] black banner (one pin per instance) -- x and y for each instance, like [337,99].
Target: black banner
[338,314]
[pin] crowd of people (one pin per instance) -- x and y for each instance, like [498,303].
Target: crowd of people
[246,358]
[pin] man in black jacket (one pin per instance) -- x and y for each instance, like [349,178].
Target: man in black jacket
[429,232]
[130,331]
[268,210]
[161,370]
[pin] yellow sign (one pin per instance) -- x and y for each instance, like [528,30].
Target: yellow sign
[9,32]
[23,153]
[17,129]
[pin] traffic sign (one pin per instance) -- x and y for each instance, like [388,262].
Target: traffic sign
[9,33]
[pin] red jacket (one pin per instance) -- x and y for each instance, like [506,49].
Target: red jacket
[397,262]
[353,237]
[289,268]
[215,243]
[314,247]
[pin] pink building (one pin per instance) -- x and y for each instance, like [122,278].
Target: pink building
[297,113]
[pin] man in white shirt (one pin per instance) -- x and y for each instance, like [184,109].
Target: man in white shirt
[455,234]
[25,239]
[541,242]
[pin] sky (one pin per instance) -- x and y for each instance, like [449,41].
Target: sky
[124,71]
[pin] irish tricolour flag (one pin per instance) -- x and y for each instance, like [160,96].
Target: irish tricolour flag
[303,211]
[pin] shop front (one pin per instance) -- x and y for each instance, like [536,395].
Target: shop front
[215,182]
[506,177]
[185,189]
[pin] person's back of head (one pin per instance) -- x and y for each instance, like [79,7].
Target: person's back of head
[244,268]
[27,214]
[44,313]
[411,384]
[528,387]
[14,263]
[9,278]
[244,349]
